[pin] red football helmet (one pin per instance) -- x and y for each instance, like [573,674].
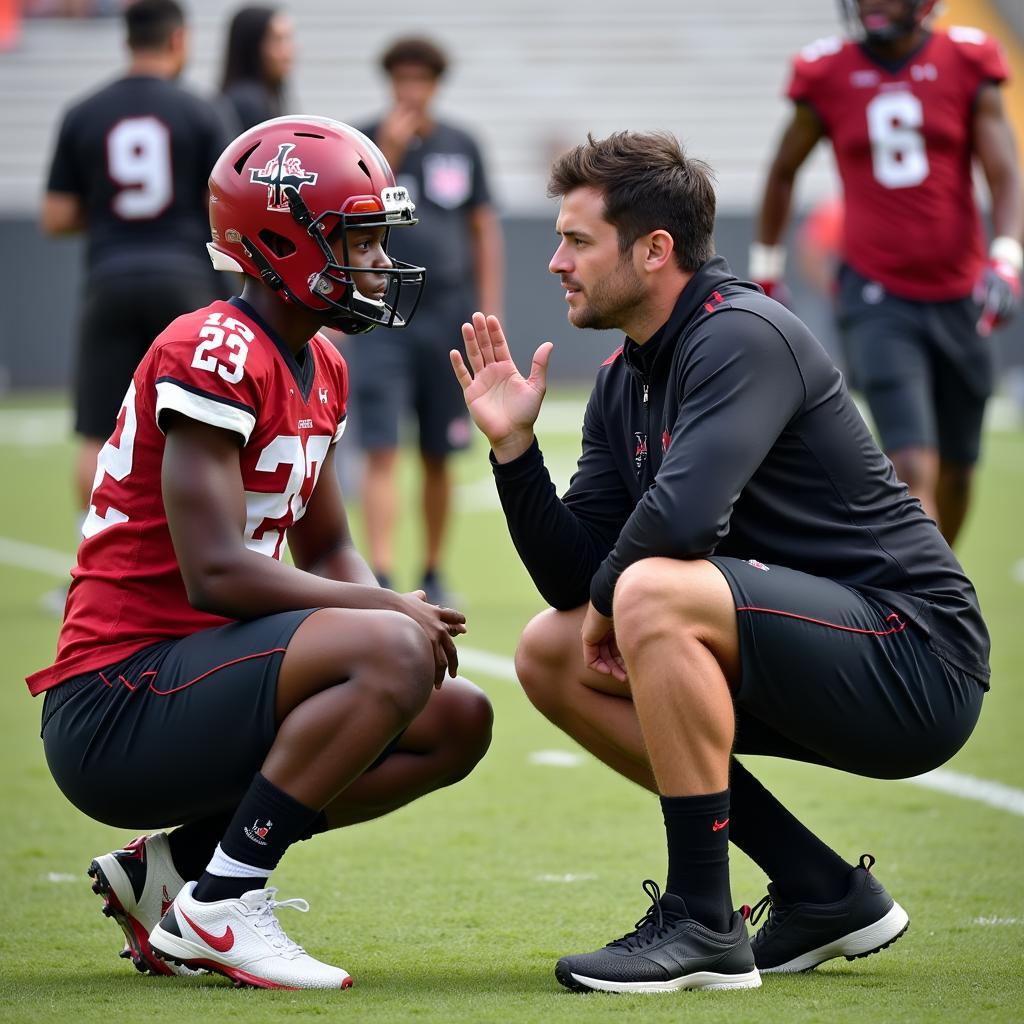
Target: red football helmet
[285,193]
[878,28]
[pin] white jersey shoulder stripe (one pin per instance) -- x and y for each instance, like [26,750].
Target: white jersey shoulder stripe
[174,397]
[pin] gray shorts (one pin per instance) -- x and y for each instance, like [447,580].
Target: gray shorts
[923,368]
[408,370]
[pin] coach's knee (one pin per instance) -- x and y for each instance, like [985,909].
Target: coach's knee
[544,661]
[659,596]
[642,602]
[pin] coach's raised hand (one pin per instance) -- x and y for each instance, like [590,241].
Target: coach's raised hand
[503,403]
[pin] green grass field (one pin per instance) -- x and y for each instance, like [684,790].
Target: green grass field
[456,908]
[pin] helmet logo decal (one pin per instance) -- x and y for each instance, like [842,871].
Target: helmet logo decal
[280,171]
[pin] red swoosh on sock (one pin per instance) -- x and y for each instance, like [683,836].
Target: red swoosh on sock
[716,827]
[221,943]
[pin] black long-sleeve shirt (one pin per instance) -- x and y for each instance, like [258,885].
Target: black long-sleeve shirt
[731,432]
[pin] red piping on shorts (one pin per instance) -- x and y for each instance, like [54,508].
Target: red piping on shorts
[192,682]
[901,625]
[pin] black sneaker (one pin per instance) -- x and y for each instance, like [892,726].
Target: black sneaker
[668,951]
[799,936]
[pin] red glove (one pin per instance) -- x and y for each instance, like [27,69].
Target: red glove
[998,289]
[765,265]
[777,290]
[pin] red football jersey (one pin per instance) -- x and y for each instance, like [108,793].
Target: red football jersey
[220,365]
[903,143]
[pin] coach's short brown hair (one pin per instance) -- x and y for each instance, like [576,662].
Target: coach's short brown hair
[648,182]
[415,50]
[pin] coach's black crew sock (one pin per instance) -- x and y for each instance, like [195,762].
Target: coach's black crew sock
[266,823]
[697,829]
[802,867]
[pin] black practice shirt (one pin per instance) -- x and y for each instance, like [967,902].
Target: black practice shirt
[138,154]
[731,432]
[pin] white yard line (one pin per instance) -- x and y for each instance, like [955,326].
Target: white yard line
[497,666]
[31,556]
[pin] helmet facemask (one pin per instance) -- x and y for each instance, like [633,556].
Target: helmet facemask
[345,307]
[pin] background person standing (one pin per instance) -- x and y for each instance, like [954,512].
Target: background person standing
[907,107]
[259,58]
[130,171]
[460,243]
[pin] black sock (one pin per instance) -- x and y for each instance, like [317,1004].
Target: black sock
[192,844]
[266,823]
[697,829]
[794,858]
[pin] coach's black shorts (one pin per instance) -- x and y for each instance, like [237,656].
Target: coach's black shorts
[834,677]
[922,366]
[176,731]
[121,317]
[393,371]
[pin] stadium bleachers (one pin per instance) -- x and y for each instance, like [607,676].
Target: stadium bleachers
[528,77]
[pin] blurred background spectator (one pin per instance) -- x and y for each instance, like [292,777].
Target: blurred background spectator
[258,60]
[714,75]
[459,241]
[129,172]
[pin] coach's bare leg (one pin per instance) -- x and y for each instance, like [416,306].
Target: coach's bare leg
[918,468]
[441,746]
[349,682]
[952,497]
[594,709]
[675,624]
[380,507]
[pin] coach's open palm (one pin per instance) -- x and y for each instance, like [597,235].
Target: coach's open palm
[503,403]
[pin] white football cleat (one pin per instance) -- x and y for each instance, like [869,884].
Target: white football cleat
[243,940]
[138,883]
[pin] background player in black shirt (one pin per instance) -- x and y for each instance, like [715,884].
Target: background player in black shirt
[130,170]
[745,570]
[460,244]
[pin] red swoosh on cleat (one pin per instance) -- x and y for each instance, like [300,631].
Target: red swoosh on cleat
[221,943]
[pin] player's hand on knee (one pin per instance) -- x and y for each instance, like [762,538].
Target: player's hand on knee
[441,626]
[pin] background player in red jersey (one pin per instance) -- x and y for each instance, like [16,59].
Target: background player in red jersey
[200,680]
[906,107]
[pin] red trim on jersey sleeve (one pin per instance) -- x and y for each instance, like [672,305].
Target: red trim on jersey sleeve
[982,53]
[809,66]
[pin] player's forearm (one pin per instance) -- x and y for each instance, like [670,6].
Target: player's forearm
[775,207]
[248,585]
[344,564]
[1007,201]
